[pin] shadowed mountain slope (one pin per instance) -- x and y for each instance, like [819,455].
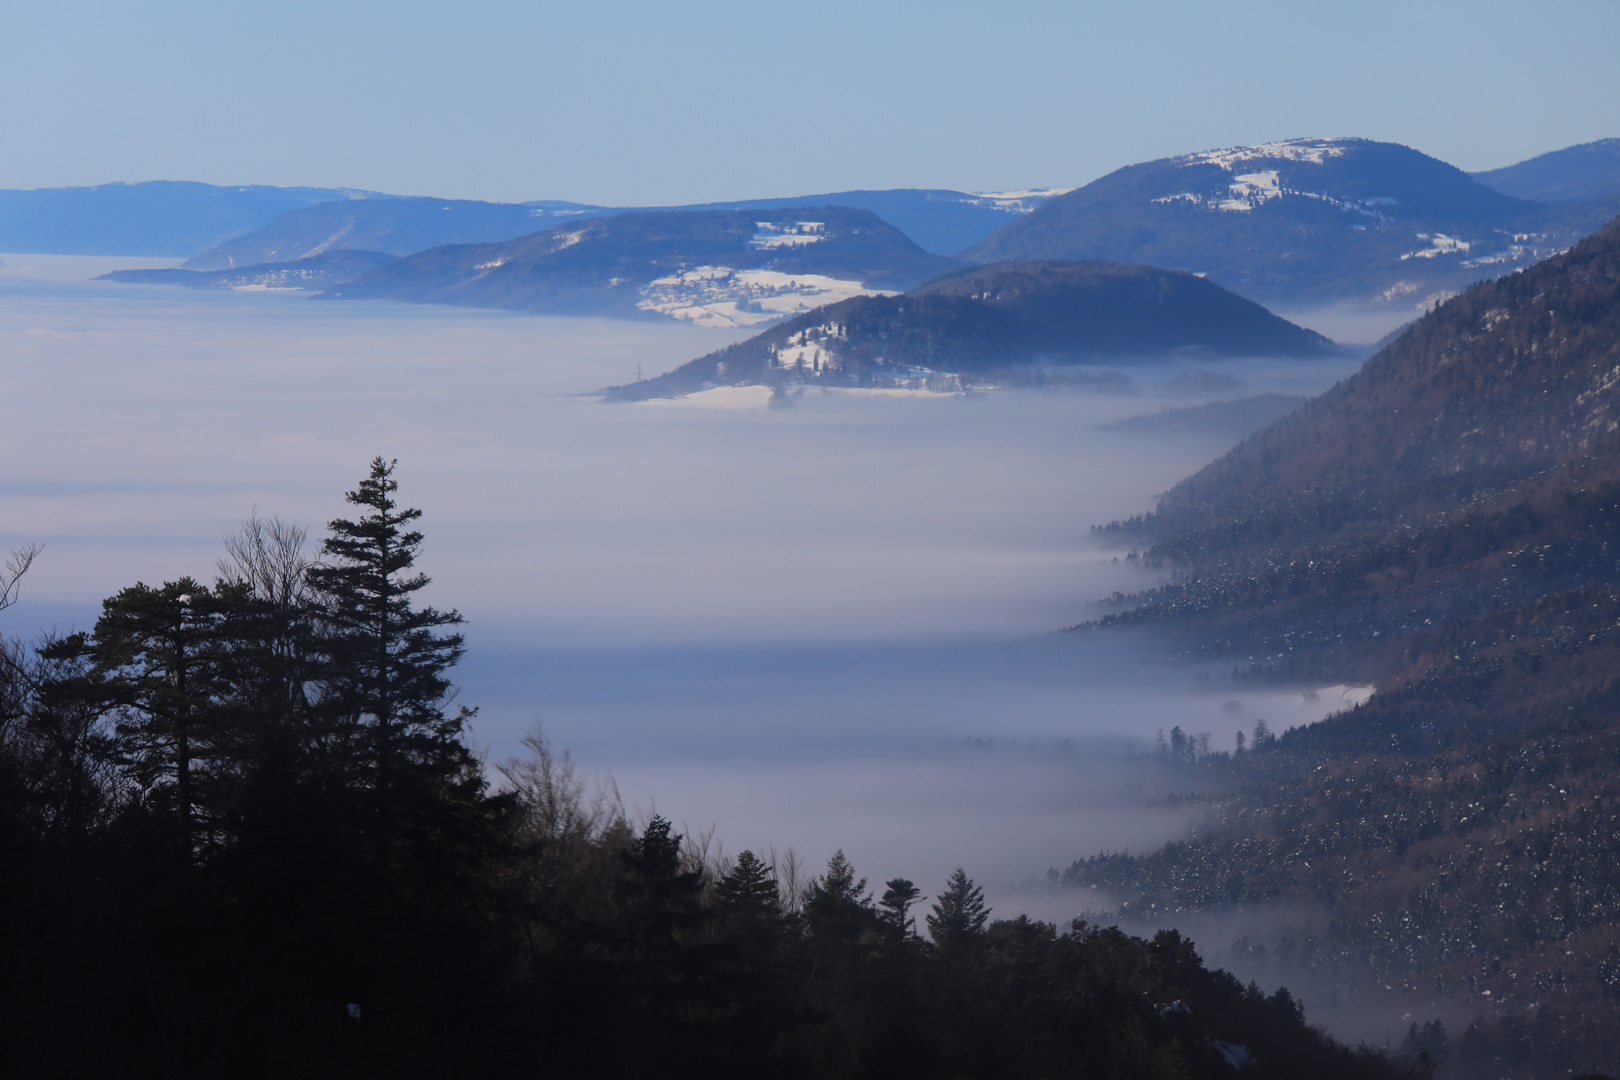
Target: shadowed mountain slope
[986,320]
[1445,524]
[1511,378]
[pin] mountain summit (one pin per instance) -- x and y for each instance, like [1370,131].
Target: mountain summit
[1303,220]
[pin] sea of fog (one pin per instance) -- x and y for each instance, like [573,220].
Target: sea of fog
[829,625]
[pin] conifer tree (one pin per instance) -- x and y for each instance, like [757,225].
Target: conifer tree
[385,685]
[959,914]
[154,656]
[749,892]
[895,906]
[838,908]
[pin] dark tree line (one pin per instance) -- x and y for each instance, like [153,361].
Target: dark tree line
[242,834]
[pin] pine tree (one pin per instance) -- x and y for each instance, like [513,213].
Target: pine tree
[959,913]
[385,685]
[749,893]
[154,656]
[837,906]
[895,906]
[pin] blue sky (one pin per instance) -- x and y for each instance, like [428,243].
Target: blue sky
[626,103]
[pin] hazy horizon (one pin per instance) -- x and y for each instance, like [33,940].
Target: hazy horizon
[415,99]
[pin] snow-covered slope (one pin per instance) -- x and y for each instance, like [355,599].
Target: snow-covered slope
[723,296]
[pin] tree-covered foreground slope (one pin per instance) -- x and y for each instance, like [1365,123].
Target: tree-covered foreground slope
[988,325]
[1446,525]
[242,834]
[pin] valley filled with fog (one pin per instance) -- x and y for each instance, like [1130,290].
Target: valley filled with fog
[818,626]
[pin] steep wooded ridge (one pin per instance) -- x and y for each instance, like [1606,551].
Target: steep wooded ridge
[1445,524]
[657,264]
[984,323]
[1514,377]
[1305,220]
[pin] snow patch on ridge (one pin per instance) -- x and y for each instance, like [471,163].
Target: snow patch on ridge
[1439,244]
[721,296]
[1312,151]
[773,234]
[1021,201]
[1249,190]
[1257,186]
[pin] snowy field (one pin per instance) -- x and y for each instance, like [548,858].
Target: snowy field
[819,626]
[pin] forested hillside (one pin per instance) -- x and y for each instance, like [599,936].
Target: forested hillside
[1446,525]
[994,325]
[242,834]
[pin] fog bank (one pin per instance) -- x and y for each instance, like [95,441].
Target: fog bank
[786,624]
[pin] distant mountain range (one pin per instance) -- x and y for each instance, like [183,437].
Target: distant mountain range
[940,222]
[313,272]
[714,267]
[219,228]
[1575,173]
[1305,220]
[161,218]
[1299,222]
[395,226]
[992,324]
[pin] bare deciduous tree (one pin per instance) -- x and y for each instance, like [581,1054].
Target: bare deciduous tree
[16,566]
[268,558]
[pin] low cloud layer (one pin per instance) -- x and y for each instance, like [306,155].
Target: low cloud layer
[821,626]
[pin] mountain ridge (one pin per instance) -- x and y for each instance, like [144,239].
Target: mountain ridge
[976,323]
[1302,220]
[706,265]
[1571,174]
[155,218]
